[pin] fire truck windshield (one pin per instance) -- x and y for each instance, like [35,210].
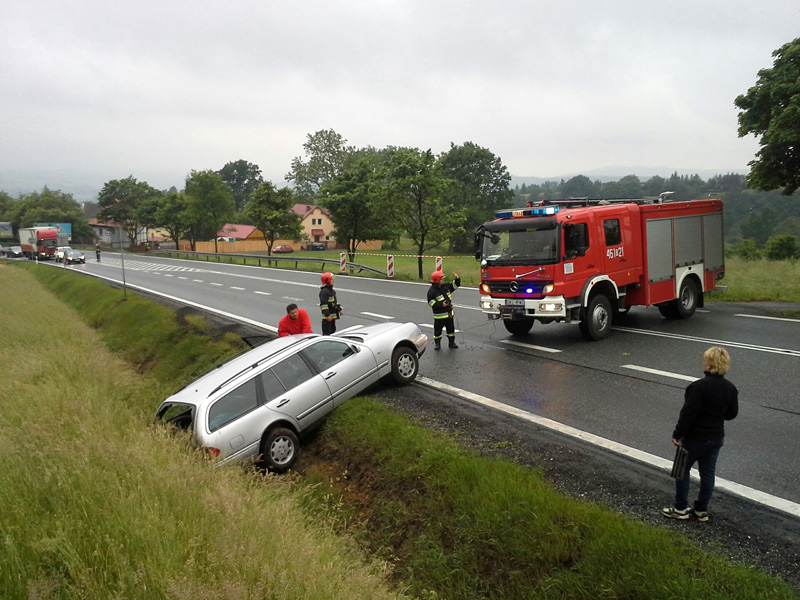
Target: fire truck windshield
[521,246]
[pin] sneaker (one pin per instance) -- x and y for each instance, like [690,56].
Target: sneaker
[700,515]
[673,513]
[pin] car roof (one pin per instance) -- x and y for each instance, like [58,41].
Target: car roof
[200,389]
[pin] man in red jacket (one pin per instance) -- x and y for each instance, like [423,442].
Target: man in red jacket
[295,321]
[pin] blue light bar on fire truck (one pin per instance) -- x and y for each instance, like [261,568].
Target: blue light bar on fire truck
[527,212]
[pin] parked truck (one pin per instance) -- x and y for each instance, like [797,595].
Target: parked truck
[584,261]
[38,242]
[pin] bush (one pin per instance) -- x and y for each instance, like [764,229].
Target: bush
[782,247]
[748,250]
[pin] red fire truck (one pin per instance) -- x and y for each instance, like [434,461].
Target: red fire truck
[582,260]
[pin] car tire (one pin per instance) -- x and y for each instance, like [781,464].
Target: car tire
[279,449]
[405,365]
[596,321]
[518,327]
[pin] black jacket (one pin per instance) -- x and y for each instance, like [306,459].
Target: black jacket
[327,302]
[440,298]
[708,403]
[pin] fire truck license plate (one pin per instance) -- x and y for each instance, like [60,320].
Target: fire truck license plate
[515,302]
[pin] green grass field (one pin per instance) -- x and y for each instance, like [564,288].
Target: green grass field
[98,503]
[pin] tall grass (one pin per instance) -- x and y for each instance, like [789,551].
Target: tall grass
[98,504]
[470,527]
[759,280]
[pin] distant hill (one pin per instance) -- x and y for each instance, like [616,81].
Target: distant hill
[607,174]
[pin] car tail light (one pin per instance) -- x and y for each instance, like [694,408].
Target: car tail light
[212,452]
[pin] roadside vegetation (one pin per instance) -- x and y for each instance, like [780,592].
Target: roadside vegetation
[98,503]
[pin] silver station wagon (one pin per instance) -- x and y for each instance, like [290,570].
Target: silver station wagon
[261,402]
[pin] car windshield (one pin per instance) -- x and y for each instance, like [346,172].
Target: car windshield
[536,242]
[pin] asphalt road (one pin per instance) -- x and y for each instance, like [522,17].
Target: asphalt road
[626,390]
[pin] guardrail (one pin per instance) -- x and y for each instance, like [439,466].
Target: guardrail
[259,259]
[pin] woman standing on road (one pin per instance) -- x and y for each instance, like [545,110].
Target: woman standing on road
[708,403]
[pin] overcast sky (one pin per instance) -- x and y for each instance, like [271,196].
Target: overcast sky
[99,90]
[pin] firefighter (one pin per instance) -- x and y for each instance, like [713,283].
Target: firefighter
[331,310]
[440,299]
[97,251]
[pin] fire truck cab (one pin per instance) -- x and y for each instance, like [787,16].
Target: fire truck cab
[581,260]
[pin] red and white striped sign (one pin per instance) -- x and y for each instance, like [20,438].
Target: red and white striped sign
[390,265]
[438,264]
[342,262]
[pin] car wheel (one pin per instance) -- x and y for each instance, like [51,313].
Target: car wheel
[405,365]
[520,327]
[279,449]
[596,322]
[687,300]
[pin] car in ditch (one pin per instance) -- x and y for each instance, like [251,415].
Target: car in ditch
[259,404]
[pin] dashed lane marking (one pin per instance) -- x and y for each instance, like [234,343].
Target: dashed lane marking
[659,372]
[531,346]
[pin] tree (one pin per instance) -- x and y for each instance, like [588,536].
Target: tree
[50,206]
[771,110]
[479,188]
[327,154]
[759,225]
[627,187]
[122,201]
[211,202]
[782,247]
[243,178]
[416,199]
[354,200]
[173,215]
[580,186]
[271,211]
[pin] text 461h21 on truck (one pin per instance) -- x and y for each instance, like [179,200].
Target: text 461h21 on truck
[582,260]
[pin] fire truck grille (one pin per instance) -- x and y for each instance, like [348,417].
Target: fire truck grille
[518,287]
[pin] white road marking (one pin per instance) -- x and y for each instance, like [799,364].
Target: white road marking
[369,314]
[215,283]
[530,346]
[197,280]
[732,487]
[431,327]
[181,277]
[658,372]
[293,299]
[770,318]
[262,293]
[688,338]
[233,287]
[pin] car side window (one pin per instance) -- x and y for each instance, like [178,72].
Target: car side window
[233,405]
[292,371]
[271,384]
[326,353]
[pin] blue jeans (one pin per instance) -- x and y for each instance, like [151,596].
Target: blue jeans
[705,455]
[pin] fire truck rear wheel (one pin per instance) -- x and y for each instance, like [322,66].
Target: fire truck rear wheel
[596,322]
[687,300]
[519,327]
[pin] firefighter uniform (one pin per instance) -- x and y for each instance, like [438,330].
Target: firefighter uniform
[440,299]
[331,310]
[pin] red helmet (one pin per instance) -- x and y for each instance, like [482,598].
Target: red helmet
[327,278]
[437,276]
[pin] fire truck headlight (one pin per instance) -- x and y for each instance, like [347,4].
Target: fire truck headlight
[548,288]
[484,288]
[549,307]
[486,304]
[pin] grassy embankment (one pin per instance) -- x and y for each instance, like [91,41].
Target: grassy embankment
[99,504]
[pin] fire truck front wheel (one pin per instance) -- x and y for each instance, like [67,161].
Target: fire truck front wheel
[595,323]
[519,326]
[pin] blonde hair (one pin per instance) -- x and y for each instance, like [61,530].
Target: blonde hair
[716,360]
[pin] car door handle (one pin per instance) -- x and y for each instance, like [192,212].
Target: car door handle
[282,402]
[329,375]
